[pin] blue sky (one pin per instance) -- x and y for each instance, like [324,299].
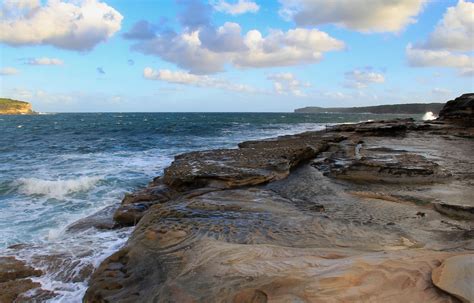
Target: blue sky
[239,55]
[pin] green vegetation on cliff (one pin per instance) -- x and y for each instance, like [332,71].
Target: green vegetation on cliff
[414,108]
[14,107]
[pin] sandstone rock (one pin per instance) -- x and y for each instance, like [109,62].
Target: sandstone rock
[134,205]
[456,276]
[458,211]
[289,220]
[11,290]
[12,269]
[230,168]
[15,282]
[379,165]
[396,127]
[101,220]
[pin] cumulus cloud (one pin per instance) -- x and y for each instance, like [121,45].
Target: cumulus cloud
[203,48]
[184,50]
[450,44]
[362,78]
[237,8]
[8,71]
[296,46]
[78,25]
[44,61]
[418,57]
[359,15]
[185,78]
[287,84]
[226,38]
[208,53]
[455,32]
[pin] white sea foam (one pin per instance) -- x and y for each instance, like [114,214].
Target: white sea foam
[56,188]
[73,253]
[429,116]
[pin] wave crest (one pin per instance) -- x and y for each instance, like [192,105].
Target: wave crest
[55,188]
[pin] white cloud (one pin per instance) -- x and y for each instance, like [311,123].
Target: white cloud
[455,32]
[38,96]
[418,57]
[78,25]
[296,46]
[185,50]
[286,83]
[204,55]
[8,71]
[359,15]
[226,38]
[362,78]
[185,78]
[237,8]
[450,44]
[45,61]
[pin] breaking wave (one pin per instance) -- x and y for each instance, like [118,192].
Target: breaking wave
[55,188]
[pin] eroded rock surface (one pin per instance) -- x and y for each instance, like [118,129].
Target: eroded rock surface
[456,276]
[356,213]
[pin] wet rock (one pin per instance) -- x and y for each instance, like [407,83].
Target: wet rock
[101,220]
[15,282]
[13,269]
[134,206]
[11,290]
[456,276]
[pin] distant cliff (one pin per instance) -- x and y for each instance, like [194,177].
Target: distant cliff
[15,107]
[409,109]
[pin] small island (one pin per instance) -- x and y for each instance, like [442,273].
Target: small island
[15,107]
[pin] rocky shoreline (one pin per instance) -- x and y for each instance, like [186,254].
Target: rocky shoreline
[375,211]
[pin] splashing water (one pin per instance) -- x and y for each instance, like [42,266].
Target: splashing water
[428,116]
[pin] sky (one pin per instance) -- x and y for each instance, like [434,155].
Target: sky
[233,55]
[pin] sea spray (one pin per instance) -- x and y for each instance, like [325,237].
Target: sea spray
[428,116]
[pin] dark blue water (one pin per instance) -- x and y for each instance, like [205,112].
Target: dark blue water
[56,169]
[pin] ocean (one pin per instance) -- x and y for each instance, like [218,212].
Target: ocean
[58,168]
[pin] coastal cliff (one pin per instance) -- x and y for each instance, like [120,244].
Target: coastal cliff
[403,109]
[15,107]
[377,211]
[359,212]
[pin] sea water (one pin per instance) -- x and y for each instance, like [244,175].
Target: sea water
[58,168]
